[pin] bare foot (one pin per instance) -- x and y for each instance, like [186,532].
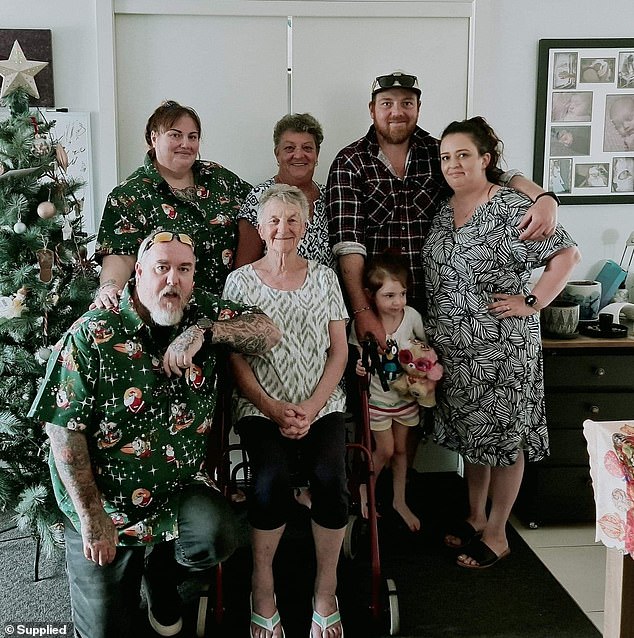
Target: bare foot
[303,496]
[411,520]
[363,498]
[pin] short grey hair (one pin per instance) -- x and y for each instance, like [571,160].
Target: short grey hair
[298,123]
[287,194]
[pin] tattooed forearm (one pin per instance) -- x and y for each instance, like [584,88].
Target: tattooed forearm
[184,341]
[108,282]
[252,333]
[72,460]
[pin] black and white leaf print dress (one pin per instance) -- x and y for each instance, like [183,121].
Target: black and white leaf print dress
[491,401]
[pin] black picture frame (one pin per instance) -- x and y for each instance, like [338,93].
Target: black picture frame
[584,124]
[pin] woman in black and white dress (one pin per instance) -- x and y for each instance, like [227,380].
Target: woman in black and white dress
[483,321]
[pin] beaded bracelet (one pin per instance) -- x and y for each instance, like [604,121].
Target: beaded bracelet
[358,310]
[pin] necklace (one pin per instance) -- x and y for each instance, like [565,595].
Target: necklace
[188,193]
[462,212]
[176,182]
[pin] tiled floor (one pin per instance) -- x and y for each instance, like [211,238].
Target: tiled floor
[574,559]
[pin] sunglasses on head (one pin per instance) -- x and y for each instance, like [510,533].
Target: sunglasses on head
[167,236]
[398,79]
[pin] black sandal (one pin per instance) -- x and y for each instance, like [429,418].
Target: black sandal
[483,555]
[463,531]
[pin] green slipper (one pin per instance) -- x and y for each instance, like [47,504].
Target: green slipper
[266,623]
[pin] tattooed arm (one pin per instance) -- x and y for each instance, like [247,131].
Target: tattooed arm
[251,333]
[115,271]
[72,461]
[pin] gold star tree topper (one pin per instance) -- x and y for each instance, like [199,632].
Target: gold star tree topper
[17,72]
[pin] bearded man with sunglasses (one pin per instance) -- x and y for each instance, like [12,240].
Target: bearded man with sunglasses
[384,189]
[128,400]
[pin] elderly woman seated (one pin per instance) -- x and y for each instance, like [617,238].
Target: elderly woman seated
[289,403]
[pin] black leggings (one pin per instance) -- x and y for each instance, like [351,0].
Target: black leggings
[273,458]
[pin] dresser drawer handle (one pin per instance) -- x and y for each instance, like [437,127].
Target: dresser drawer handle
[594,409]
[599,372]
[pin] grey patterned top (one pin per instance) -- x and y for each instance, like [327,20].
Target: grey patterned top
[292,369]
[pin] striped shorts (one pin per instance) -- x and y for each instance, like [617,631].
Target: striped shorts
[381,418]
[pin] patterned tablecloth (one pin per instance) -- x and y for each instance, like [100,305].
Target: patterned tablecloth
[611,450]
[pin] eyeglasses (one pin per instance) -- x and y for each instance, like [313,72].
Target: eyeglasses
[162,237]
[395,79]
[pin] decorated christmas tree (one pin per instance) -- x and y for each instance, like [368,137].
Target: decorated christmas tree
[46,282]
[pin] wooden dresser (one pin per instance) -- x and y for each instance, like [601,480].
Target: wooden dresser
[584,378]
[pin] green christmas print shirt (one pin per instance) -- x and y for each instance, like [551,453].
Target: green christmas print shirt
[146,433]
[145,202]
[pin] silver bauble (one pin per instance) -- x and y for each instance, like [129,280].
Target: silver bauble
[43,354]
[46,210]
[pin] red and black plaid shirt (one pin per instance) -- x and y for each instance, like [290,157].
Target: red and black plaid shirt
[368,205]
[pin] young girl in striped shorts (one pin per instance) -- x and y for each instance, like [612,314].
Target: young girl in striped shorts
[386,279]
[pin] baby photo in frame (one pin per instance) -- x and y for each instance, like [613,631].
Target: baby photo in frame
[584,128]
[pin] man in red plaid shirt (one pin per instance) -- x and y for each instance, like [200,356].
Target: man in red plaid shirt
[384,189]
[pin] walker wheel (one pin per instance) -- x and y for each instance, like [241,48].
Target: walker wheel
[351,537]
[201,618]
[391,608]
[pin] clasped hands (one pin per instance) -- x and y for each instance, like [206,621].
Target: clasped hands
[294,420]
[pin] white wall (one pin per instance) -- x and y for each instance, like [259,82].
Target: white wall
[238,103]
[506,41]
[72,23]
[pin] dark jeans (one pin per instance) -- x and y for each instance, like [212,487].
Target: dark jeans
[321,458]
[105,600]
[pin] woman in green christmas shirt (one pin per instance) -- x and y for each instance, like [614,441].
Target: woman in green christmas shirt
[172,189]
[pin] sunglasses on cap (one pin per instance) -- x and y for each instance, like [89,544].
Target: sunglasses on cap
[401,80]
[165,236]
